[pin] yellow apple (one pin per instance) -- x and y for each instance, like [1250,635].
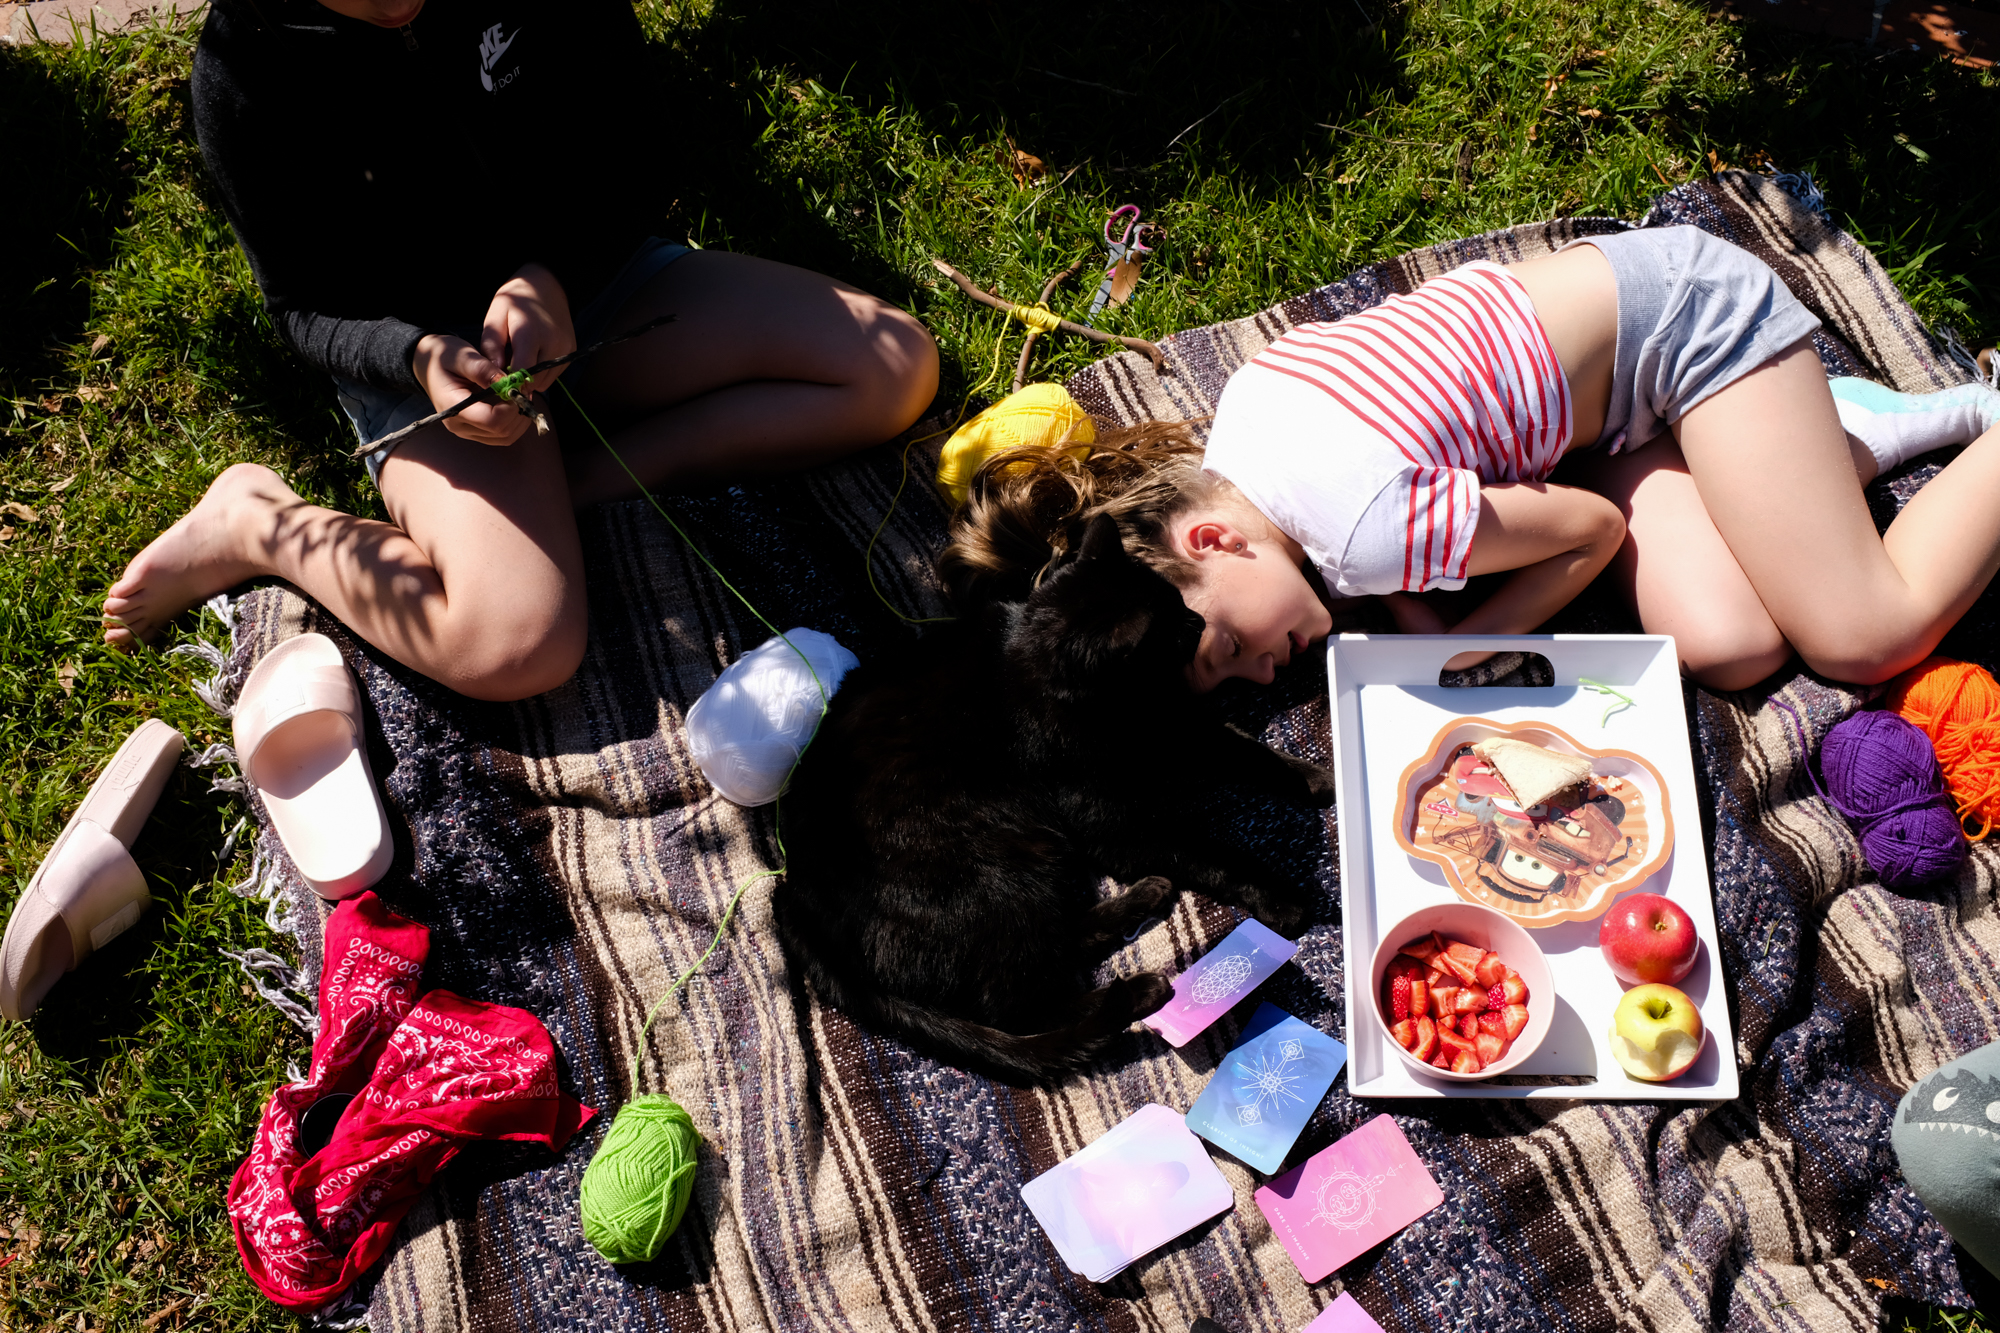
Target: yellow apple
[1656,1032]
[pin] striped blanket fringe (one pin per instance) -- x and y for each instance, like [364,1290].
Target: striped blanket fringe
[569,858]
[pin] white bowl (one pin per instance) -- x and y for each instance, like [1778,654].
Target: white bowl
[1488,929]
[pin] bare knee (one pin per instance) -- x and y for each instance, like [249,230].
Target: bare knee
[502,664]
[1864,659]
[897,375]
[1734,655]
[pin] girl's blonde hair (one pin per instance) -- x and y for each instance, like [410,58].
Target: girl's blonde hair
[1029,507]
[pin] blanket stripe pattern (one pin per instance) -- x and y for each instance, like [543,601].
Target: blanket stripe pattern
[570,859]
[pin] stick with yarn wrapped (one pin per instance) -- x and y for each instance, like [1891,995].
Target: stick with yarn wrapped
[1883,777]
[1957,705]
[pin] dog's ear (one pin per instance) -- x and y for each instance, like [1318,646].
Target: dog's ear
[1101,540]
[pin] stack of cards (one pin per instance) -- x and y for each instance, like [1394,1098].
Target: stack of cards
[1221,977]
[1353,1195]
[1266,1089]
[1129,1193]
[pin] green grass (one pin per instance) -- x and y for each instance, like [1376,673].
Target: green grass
[1280,146]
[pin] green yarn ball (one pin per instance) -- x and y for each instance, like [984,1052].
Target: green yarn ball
[638,1185]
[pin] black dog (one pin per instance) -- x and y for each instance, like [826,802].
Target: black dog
[947,830]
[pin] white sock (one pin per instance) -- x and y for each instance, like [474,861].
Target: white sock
[1897,427]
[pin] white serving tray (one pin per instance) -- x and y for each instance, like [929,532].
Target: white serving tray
[1387,705]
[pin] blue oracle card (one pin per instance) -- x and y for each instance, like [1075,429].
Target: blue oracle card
[1266,1089]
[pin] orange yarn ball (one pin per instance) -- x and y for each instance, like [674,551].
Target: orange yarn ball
[1957,705]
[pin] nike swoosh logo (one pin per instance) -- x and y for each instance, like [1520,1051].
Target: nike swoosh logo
[501,49]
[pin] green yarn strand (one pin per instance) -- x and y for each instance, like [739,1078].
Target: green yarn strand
[636,1189]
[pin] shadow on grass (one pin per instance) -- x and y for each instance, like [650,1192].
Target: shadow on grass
[69,183]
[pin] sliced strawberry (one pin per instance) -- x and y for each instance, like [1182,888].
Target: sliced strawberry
[1402,965]
[1513,988]
[1469,954]
[1490,1046]
[1452,1041]
[1444,1056]
[1420,997]
[1444,996]
[1440,942]
[1424,947]
[1471,1000]
[1490,1021]
[1515,1016]
[1468,1025]
[1466,1062]
[1427,1039]
[1464,971]
[1490,970]
[1495,997]
[1405,1034]
[1399,999]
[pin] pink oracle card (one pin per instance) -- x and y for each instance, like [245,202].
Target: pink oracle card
[1345,1315]
[1139,1186]
[1218,979]
[1344,1199]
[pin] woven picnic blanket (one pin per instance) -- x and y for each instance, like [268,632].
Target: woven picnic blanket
[570,859]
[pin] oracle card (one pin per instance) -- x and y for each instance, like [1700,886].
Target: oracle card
[1345,1315]
[1344,1199]
[1218,979]
[1266,1089]
[1144,1183]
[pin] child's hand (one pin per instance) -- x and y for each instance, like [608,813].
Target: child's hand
[527,323]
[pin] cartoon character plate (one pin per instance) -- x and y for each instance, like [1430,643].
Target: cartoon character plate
[1543,864]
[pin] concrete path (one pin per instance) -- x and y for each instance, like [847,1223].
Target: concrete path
[52,19]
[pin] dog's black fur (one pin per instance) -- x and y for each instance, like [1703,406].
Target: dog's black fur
[948,828]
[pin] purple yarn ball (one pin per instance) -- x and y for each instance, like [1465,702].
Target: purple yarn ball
[1883,774]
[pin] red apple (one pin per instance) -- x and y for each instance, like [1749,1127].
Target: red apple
[1647,938]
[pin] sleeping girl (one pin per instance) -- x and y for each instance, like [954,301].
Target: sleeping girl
[1409,447]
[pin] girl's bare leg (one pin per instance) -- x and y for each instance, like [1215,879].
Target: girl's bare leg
[1778,479]
[765,368]
[478,583]
[1675,570]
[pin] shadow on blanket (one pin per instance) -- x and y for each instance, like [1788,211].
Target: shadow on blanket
[568,858]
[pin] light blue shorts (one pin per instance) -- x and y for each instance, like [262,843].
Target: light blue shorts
[1695,314]
[377,412]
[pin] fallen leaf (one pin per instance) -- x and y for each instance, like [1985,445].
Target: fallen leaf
[167,1311]
[99,343]
[1715,163]
[1123,279]
[90,393]
[6,534]
[1590,112]
[1028,168]
[66,677]
[63,485]
[52,404]
[15,509]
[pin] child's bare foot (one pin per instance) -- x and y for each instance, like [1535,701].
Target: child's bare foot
[199,556]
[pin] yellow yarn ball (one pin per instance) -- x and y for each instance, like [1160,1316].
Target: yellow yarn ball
[1041,416]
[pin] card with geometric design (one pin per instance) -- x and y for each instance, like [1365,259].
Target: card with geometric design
[1266,1089]
[1356,1194]
[1214,983]
[1139,1186]
[1345,1315]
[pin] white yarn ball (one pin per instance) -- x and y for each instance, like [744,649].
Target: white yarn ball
[749,728]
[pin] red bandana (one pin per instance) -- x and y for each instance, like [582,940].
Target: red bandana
[427,1075]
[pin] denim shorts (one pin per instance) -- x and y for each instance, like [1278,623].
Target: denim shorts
[1695,314]
[376,412]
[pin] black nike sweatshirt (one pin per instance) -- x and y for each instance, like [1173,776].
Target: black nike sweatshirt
[384,183]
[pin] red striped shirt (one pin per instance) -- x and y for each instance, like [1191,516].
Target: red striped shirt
[1459,378]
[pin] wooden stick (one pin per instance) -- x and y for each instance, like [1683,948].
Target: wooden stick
[972,290]
[1028,343]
